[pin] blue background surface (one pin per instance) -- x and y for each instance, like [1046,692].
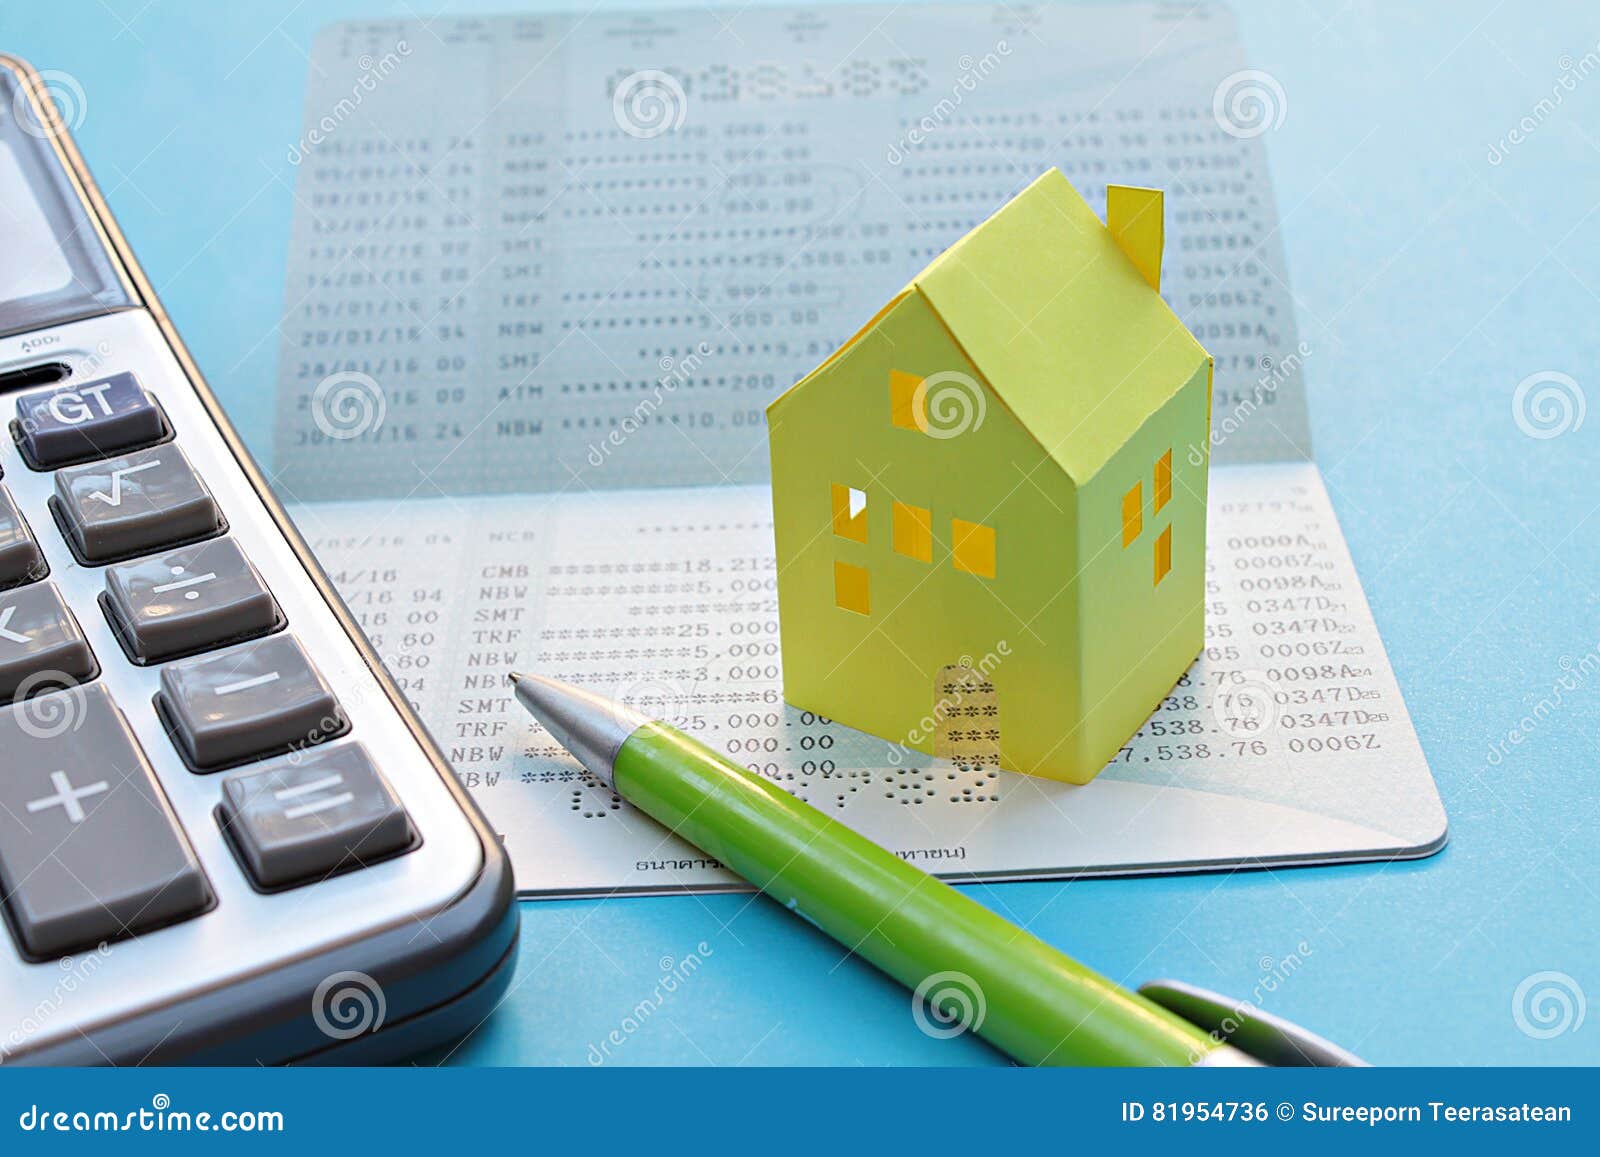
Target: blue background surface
[1429,281]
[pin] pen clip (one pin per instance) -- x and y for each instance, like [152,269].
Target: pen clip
[1267,1038]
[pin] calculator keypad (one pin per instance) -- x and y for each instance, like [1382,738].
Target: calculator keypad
[89,848]
[73,423]
[188,600]
[134,504]
[248,701]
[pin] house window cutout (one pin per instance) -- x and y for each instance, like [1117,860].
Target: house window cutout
[913,532]
[850,513]
[1132,513]
[903,400]
[974,547]
[1163,493]
[850,588]
[967,710]
[1163,555]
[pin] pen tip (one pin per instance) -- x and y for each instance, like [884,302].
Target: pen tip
[515,677]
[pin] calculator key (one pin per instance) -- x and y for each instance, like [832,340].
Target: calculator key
[41,644]
[134,504]
[89,848]
[188,600]
[20,559]
[247,701]
[77,422]
[301,818]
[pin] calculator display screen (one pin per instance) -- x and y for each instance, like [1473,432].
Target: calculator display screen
[34,262]
[53,264]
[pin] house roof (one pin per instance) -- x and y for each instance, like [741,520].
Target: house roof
[1061,324]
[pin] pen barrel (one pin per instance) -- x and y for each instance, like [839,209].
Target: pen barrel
[1030,1000]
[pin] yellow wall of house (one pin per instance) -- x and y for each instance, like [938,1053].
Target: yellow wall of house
[1140,636]
[876,671]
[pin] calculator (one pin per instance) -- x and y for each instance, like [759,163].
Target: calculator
[225,837]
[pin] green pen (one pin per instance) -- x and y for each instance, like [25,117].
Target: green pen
[1038,1005]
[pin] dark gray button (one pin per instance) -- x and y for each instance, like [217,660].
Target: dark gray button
[134,504]
[247,701]
[89,847]
[303,817]
[41,644]
[87,421]
[20,560]
[188,600]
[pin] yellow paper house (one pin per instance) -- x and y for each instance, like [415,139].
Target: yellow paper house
[998,473]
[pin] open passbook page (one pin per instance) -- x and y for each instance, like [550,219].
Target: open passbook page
[525,366]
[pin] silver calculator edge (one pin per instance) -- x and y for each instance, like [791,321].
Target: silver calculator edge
[436,929]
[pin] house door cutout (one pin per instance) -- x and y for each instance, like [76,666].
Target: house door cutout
[967,710]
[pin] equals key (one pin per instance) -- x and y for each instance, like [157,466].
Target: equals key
[300,819]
